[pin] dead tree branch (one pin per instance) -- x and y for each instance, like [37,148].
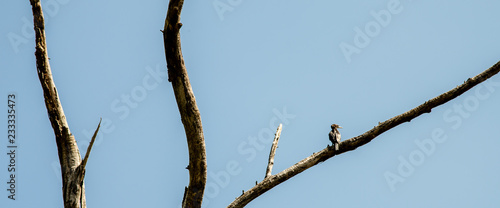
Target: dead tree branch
[186,102]
[89,148]
[355,142]
[273,152]
[72,169]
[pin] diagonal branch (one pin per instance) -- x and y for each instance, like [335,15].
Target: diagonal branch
[186,102]
[89,148]
[273,151]
[355,142]
[52,103]
[79,173]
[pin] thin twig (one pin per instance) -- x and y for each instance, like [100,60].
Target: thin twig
[89,148]
[273,151]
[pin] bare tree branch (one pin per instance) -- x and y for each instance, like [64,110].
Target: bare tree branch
[273,152]
[72,168]
[186,102]
[80,170]
[69,155]
[355,142]
[89,148]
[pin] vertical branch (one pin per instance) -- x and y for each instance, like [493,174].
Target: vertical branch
[72,169]
[186,102]
[69,155]
[273,151]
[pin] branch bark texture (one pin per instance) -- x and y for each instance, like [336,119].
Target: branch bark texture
[355,142]
[72,170]
[186,102]
[273,152]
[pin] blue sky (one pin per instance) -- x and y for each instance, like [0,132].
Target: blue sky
[253,65]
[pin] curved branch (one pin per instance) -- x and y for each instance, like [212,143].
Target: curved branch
[186,102]
[355,142]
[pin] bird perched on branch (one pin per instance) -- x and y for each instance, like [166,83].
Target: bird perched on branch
[334,136]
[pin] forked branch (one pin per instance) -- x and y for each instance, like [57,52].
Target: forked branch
[355,142]
[72,168]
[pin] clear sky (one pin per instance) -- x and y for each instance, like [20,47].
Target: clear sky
[253,65]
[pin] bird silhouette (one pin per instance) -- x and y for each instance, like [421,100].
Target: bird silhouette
[334,136]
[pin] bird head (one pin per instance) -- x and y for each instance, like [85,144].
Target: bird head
[335,126]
